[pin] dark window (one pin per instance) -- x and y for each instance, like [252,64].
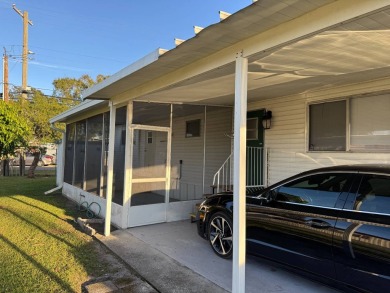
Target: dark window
[79,154]
[327,126]
[69,153]
[252,129]
[318,190]
[374,194]
[119,155]
[94,154]
[193,128]
[150,137]
[106,134]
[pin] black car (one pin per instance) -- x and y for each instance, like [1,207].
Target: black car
[332,223]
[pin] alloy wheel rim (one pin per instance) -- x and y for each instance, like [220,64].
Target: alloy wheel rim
[221,236]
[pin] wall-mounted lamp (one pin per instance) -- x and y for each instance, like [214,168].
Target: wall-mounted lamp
[267,116]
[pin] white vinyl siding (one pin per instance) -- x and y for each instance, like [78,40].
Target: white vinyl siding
[190,152]
[218,142]
[217,146]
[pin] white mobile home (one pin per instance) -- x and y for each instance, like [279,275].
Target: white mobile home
[274,89]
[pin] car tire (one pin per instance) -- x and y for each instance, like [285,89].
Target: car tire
[220,234]
[40,163]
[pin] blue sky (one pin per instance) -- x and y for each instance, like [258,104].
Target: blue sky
[70,38]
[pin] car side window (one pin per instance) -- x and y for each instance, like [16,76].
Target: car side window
[320,190]
[374,194]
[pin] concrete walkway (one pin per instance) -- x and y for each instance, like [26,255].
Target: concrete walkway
[173,258]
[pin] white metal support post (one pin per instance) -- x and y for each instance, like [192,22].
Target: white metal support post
[129,146]
[239,179]
[110,170]
[168,163]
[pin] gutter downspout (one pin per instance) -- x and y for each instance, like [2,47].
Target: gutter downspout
[60,185]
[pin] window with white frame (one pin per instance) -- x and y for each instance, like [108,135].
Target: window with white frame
[367,118]
[370,123]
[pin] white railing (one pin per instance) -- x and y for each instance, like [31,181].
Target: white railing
[223,178]
[254,166]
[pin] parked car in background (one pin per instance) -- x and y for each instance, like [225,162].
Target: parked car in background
[43,161]
[49,158]
[331,223]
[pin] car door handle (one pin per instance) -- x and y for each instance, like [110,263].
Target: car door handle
[315,223]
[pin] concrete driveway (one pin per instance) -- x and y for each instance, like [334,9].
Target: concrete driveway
[173,258]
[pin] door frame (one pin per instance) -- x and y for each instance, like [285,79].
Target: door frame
[258,114]
[157,213]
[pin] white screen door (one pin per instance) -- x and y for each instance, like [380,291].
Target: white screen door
[150,182]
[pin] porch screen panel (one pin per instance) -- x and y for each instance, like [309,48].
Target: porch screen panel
[119,155]
[79,154]
[106,133]
[370,123]
[150,154]
[187,153]
[149,167]
[69,153]
[94,153]
[147,193]
[152,114]
[328,126]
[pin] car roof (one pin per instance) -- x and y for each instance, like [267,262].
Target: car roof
[374,168]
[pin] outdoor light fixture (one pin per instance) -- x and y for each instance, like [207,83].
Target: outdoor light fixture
[267,116]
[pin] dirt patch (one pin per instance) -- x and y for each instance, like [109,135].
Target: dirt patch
[121,276]
[113,268]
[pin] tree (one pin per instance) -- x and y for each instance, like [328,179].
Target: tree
[14,129]
[39,109]
[70,88]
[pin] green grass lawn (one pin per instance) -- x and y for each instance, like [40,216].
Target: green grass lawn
[41,249]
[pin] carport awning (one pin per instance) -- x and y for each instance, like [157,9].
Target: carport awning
[252,20]
[350,52]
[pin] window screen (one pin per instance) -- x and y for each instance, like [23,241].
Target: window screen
[69,153]
[119,155]
[370,122]
[94,153]
[327,126]
[79,154]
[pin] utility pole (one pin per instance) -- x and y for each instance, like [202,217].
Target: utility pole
[5,76]
[26,22]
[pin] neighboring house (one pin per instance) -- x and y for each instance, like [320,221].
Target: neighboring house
[321,67]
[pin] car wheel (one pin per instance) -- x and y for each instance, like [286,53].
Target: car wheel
[40,163]
[220,234]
